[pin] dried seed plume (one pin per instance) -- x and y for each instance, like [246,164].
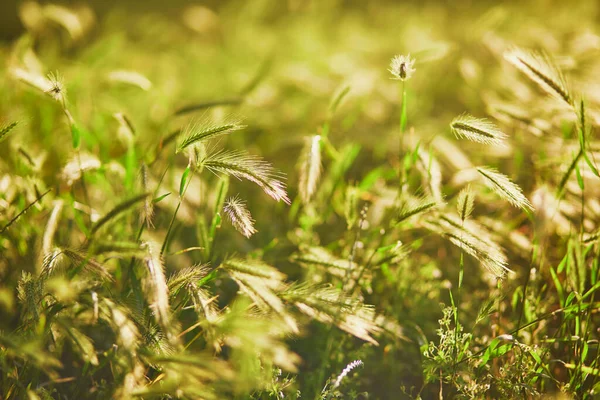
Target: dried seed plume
[240,217]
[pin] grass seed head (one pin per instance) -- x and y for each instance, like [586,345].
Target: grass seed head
[402,67]
[240,217]
[478,130]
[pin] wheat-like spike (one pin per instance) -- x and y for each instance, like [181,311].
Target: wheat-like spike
[187,276]
[321,257]
[240,217]
[505,188]
[147,214]
[50,261]
[260,282]
[542,71]
[245,166]
[29,293]
[474,239]
[478,130]
[6,129]
[415,207]
[310,167]
[253,267]
[326,304]
[121,207]
[491,261]
[156,289]
[204,302]
[87,263]
[205,129]
[465,203]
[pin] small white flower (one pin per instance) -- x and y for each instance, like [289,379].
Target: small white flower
[402,67]
[346,371]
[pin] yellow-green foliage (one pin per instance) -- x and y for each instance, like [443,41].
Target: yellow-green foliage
[414,212]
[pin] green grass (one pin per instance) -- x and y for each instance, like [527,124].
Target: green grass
[241,202]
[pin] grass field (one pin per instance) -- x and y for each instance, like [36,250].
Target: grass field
[301,200]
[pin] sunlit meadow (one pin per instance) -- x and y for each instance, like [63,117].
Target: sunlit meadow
[300,200]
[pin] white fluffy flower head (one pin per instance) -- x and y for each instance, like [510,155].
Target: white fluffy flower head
[402,67]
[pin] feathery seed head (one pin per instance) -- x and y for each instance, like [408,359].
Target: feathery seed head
[505,188]
[465,203]
[402,67]
[56,88]
[539,68]
[240,217]
[245,166]
[205,129]
[478,130]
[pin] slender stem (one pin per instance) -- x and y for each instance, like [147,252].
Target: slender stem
[166,242]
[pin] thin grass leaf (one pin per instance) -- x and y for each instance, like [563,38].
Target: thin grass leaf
[240,217]
[6,129]
[51,226]
[130,77]
[310,168]
[120,208]
[184,180]
[119,249]
[337,99]
[478,130]
[205,129]
[245,166]
[207,104]
[84,343]
[505,188]
[542,71]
